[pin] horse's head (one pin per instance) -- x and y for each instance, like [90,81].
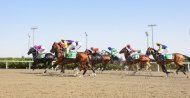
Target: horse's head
[150,51]
[31,50]
[54,47]
[124,50]
[88,51]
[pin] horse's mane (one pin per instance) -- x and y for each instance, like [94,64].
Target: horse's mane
[88,50]
[156,51]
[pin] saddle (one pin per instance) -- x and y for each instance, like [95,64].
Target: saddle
[165,56]
[96,56]
[113,57]
[161,57]
[135,56]
[40,56]
[168,56]
[71,54]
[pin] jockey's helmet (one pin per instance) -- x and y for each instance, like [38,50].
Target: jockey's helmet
[62,40]
[157,43]
[109,48]
[128,46]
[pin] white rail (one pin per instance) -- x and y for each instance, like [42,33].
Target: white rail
[30,64]
[188,65]
[8,61]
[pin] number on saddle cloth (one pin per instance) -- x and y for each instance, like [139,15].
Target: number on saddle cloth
[168,56]
[41,55]
[135,56]
[71,54]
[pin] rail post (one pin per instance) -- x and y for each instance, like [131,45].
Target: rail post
[158,67]
[6,65]
[29,65]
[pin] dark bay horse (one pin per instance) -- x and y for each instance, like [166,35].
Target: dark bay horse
[81,59]
[143,60]
[46,60]
[177,58]
[96,59]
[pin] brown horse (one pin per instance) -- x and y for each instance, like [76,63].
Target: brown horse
[81,59]
[94,59]
[113,58]
[177,58]
[143,60]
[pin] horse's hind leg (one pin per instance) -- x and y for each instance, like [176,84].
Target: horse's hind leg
[178,69]
[48,67]
[184,71]
[104,65]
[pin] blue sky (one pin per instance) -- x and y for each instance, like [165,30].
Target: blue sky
[112,23]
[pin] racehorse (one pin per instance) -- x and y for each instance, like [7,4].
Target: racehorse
[177,58]
[81,59]
[143,60]
[96,59]
[113,59]
[46,60]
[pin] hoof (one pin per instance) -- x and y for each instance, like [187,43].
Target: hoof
[94,75]
[75,75]
[81,76]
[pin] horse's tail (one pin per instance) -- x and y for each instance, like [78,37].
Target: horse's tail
[187,57]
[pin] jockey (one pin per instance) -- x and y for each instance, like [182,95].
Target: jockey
[39,49]
[96,52]
[69,45]
[113,51]
[162,49]
[131,50]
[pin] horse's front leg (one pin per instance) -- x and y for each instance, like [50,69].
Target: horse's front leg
[148,65]
[164,69]
[34,65]
[62,68]
[92,67]
[135,68]
[104,65]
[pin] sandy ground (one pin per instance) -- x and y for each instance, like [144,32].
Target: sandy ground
[17,83]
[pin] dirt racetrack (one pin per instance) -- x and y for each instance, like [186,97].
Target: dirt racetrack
[23,83]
